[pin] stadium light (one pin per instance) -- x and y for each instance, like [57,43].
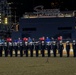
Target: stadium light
[5,20]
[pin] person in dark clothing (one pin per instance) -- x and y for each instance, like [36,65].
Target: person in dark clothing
[31,46]
[37,48]
[68,48]
[48,46]
[74,48]
[54,47]
[1,47]
[43,48]
[15,46]
[25,46]
[5,48]
[10,48]
[42,42]
[61,47]
[20,46]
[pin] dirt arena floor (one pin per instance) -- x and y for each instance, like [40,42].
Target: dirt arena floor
[37,66]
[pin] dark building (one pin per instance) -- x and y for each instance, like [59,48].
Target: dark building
[5,18]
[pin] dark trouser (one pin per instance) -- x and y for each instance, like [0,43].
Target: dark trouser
[6,51]
[36,52]
[43,53]
[68,53]
[61,52]
[74,52]
[43,48]
[21,51]
[11,51]
[49,53]
[54,52]
[36,48]
[31,51]
[1,48]
[16,50]
[27,52]
[48,48]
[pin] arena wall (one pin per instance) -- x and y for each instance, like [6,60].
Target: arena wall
[51,27]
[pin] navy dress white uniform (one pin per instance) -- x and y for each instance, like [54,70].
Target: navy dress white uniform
[43,48]
[54,47]
[68,48]
[20,47]
[48,46]
[74,48]
[1,47]
[6,48]
[31,46]
[37,48]
[61,47]
[26,47]
[10,48]
[15,46]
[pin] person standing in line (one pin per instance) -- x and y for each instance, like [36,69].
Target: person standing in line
[5,44]
[48,45]
[15,46]
[10,46]
[20,46]
[74,48]
[1,47]
[31,46]
[25,46]
[54,47]
[68,48]
[37,48]
[42,40]
[61,47]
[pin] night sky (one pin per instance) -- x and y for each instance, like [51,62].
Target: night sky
[22,6]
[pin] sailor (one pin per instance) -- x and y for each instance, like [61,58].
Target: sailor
[42,40]
[20,46]
[61,47]
[1,47]
[10,46]
[25,46]
[31,46]
[15,45]
[54,47]
[74,48]
[48,45]
[68,48]
[37,48]
[5,48]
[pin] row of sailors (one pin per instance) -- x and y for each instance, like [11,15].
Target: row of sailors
[29,44]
